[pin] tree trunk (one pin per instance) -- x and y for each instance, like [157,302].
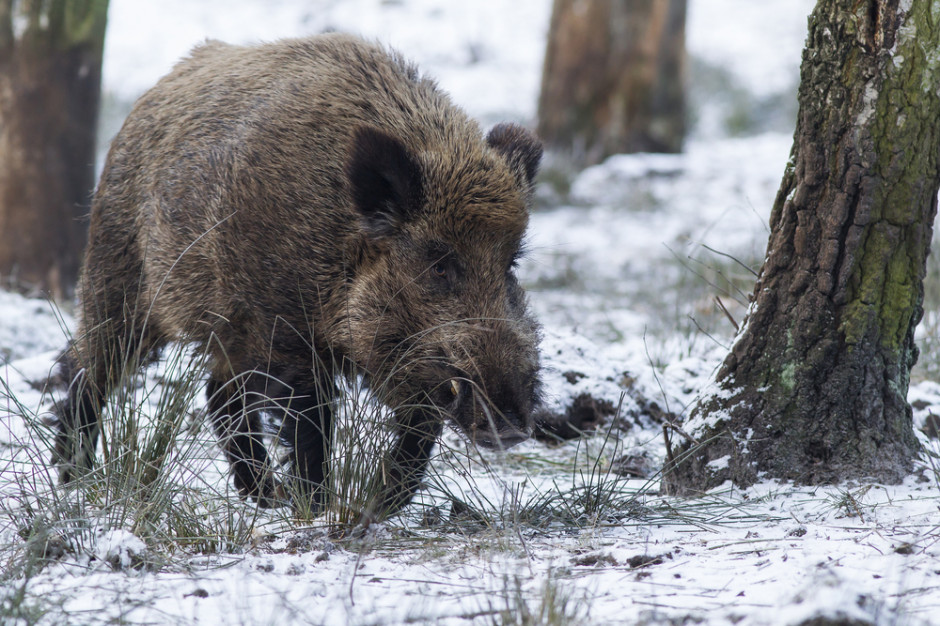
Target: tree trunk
[613,79]
[50,77]
[815,387]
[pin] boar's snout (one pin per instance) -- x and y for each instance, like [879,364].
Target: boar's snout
[496,421]
[493,405]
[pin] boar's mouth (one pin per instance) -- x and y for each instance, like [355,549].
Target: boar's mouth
[481,420]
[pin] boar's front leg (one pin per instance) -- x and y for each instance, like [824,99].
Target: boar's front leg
[307,432]
[239,432]
[404,467]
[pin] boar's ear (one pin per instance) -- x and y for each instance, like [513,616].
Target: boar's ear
[521,149]
[385,181]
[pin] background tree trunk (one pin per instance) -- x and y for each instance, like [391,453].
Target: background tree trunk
[614,77]
[815,387]
[50,78]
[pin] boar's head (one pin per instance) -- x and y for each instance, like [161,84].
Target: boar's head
[435,315]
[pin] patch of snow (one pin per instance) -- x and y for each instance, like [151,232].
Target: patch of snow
[28,326]
[718,195]
[734,35]
[119,549]
[719,464]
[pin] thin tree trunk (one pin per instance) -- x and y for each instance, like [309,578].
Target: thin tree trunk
[614,78]
[815,386]
[50,77]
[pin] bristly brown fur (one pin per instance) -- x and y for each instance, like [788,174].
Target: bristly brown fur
[301,210]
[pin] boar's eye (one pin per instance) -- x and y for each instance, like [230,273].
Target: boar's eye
[441,264]
[443,273]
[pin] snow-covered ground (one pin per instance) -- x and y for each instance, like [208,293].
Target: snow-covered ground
[623,273]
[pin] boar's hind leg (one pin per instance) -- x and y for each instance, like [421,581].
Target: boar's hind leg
[76,420]
[109,345]
[407,462]
[239,432]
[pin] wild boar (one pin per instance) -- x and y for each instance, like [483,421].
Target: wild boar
[302,210]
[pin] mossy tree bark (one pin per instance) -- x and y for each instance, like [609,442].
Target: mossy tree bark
[614,78]
[50,78]
[815,387]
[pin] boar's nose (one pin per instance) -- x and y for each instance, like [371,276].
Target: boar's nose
[512,435]
[496,427]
